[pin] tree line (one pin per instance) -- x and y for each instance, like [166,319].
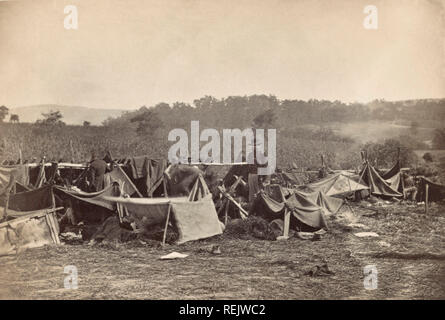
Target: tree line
[302,136]
[239,111]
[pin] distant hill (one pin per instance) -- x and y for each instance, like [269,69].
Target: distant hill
[71,114]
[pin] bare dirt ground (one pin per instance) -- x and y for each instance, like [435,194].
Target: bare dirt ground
[409,255]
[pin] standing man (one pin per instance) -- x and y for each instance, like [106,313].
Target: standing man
[96,172]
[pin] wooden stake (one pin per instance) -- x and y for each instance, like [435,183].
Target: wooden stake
[166,225]
[49,217]
[286,223]
[426,197]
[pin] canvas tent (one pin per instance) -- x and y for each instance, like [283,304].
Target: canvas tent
[31,176]
[28,220]
[393,177]
[194,217]
[308,208]
[29,231]
[118,175]
[33,200]
[392,172]
[89,198]
[377,184]
[337,185]
[329,204]
[436,192]
[147,174]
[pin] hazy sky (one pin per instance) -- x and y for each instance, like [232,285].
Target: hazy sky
[126,54]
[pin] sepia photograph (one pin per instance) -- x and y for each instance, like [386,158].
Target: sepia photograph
[209,151]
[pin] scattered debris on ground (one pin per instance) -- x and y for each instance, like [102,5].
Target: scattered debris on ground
[366,234]
[174,255]
[319,271]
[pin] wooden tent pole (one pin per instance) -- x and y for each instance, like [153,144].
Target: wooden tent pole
[5,212]
[286,217]
[164,183]
[166,224]
[193,192]
[401,174]
[426,197]
[403,185]
[361,176]
[72,161]
[39,183]
[129,181]
[8,194]
[286,223]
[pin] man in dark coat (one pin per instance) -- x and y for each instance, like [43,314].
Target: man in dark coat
[96,171]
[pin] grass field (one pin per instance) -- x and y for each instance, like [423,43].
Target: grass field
[409,255]
[377,130]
